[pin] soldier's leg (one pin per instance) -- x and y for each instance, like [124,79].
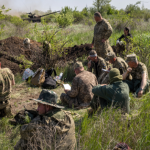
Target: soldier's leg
[5,108]
[95,103]
[71,102]
[105,80]
[130,84]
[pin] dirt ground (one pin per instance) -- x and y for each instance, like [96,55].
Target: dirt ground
[21,95]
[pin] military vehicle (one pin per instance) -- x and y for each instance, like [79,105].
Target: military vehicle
[36,18]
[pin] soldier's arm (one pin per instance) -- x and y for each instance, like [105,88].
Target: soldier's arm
[108,30]
[124,75]
[91,66]
[122,36]
[144,82]
[74,88]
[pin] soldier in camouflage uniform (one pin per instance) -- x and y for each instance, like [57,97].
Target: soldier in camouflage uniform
[102,32]
[80,94]
[139,83]
[6,82]
[96,63]
[53,128]
[117,62]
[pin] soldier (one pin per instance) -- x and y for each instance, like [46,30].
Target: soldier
[117,62]
[80,94]
[52,128]
[127,38]
[97,63]
[115,94]
[139,83]
[102,32]
[6,82]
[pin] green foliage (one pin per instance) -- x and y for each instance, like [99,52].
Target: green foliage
[101,5]
[65,18]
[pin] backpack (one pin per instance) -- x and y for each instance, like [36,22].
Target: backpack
[49,81]
[38,78]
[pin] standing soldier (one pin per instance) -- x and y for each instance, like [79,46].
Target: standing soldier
[6,81]
[102,32]
[96,63]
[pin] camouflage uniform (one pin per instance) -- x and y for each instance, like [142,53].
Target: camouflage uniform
[81,90]
[119,64]
[6,78]
[101,64]
[54,130]
[102,30]
[136,74]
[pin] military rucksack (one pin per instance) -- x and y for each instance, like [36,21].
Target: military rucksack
[38,78]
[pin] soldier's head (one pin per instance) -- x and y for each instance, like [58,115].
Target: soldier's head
[111,57]
[97,17]
[47,101]
[126,31]
[78,67]
[93,55]
[132,60]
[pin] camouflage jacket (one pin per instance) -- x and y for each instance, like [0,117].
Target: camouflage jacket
[55,130]
[82,87]
[6,77]
[102,30]
[101,64]
[120,64]
[137,72]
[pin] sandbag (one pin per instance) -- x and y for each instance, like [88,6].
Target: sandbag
[38,78]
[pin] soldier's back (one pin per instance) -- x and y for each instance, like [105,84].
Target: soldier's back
[56,127]
[86,80]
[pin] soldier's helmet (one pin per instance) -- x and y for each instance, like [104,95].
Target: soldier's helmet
[131,57]
[48,97]
[26,41]
[78,64]
[110,56]
[93,53]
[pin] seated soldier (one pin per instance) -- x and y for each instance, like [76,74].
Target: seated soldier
[127,38]
[52,128]
[114,94]
[6,82]
[96,63]
[117,62]
[139,84]
[80,94]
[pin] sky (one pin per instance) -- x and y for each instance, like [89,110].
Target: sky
[44,5]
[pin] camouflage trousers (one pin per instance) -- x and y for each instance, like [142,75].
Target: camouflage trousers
[104,78]
[134,86]
[5,108]
[102,48]
[66,100]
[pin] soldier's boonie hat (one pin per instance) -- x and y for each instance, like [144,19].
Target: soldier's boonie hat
[48,97]
[110,56]
[131,57]
[78,64]
[93,53]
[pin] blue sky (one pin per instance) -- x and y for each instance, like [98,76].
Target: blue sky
[44,5]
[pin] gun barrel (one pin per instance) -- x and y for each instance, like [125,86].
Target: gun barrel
[49,13]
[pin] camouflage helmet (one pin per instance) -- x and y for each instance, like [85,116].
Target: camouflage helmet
[93,53]
[131,57]
[26,41]
[48,97]
[110,56]
[78,64]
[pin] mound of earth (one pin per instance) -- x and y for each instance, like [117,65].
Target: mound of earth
[13,47]
[72,53]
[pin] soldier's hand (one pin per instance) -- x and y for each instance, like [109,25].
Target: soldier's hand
[89,64]
[140,93]
[92,45]
[66,91]
[129,70]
